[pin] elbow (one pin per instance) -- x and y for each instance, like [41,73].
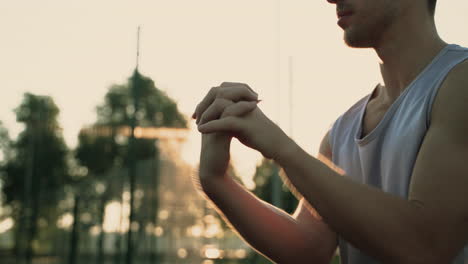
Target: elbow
[423,253]
[429,241]
[426,258]
[308,254]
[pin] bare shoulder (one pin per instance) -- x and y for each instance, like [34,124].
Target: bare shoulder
[450,105]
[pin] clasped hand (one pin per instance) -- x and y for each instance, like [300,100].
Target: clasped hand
[231,109]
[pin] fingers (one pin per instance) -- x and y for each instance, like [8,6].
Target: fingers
[230,84]
[222,108]
[201,107]
[230,91]
[214,111]
[239,109]
[236,93]
[229,124]
[229,121]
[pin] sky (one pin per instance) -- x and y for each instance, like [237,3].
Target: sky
[288,51]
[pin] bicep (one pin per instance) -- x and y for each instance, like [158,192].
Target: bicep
[440,175]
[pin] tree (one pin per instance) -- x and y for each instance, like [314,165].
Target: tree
[5,152]
[263,180]
[36,172]
[5,144]
[137,102]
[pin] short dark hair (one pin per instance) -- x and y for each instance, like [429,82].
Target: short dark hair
[432,6]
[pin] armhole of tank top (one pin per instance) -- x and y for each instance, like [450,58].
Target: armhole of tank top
[439,82]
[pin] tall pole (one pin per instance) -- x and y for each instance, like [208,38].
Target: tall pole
[132,155]
[291,98]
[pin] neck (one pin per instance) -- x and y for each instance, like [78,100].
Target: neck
[404,52]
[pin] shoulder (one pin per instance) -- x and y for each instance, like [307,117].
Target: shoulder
[450,104]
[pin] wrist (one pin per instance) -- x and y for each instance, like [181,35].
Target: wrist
[287,149]
[211,185]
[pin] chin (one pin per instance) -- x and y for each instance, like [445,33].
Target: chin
[355,40]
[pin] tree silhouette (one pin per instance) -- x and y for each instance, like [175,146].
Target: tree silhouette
[135,103]
[36,172]
[263,179]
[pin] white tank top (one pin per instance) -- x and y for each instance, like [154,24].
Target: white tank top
[385,157]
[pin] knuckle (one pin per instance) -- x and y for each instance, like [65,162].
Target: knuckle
[221,93]
[228,83]
[213,90]
[226,113]
[232,124]
[219,103]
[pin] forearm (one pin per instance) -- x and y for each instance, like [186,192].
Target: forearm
[266,228]
[382,225]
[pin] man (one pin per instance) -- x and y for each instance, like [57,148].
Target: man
[403,149]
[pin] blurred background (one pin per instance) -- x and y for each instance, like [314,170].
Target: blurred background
[97,149]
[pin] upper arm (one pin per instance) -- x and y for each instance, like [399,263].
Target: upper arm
[440,176]
[309,219]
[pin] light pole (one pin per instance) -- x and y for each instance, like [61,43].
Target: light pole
[135,83]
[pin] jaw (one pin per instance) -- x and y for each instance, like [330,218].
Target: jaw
[360,38]
[369,32]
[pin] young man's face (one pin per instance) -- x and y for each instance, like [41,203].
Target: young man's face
[364,21]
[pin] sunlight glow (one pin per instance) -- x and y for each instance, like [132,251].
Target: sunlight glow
[212,252]
[6,225]
[65,221]
[112,216]
[141,132]
[182,253]
[241,253]
[164,214]
[213,230]
[95,230]
[195,231]
[158,231]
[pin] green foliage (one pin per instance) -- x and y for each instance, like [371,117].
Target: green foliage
[263,180]
[96,152]
[155,108]
[40,148]
[5,144]
[104,150]
[35,172]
